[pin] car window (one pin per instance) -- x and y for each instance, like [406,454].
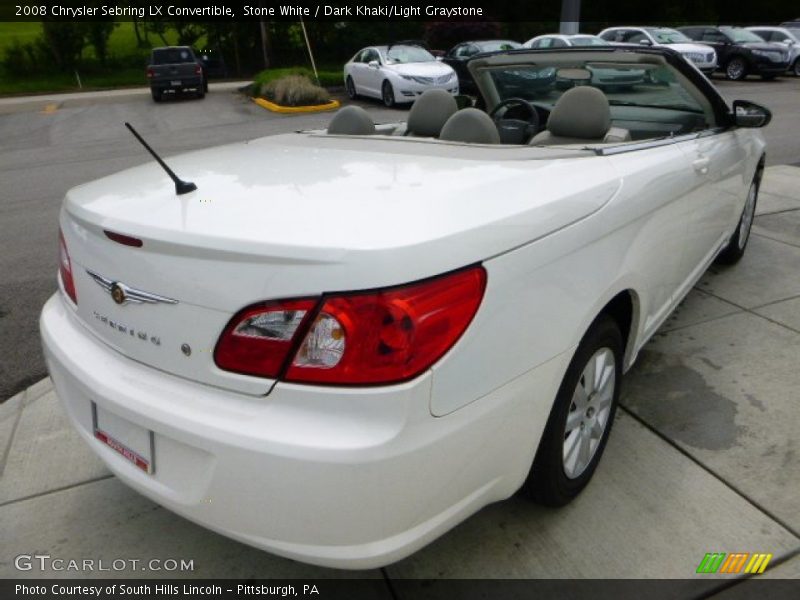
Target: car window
[636,37]
[545,43]
[612,36]
[171,56]
[498,46]
[714,36]
[587,40]
[739,35]
[559,43]
[535,43]
[467,50]
[371,54]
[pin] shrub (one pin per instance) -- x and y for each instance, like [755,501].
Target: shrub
[327,78]
[294,90]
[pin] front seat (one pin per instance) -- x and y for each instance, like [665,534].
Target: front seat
[429,113]
[472,126]
[581,116]
[351,120]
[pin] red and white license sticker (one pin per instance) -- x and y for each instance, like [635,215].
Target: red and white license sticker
[126,452]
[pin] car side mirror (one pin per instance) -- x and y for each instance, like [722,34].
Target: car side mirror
[374,64]
[440,58]
[750,114]
[645,43]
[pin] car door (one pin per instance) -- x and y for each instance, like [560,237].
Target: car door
[716,157]
[373,77]
[357,71]
[719,41]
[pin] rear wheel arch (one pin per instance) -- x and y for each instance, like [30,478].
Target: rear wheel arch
[624,310]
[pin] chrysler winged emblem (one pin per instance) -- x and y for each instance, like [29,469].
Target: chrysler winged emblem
[122,294]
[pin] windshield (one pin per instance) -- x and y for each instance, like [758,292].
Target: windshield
[623,84]
[408,54]
[588,40]
[171,56]
[740,35]
[668,36]
[500,45]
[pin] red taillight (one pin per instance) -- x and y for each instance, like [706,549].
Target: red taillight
[258,340]
[198,70]
[362,338]
[150,73]
[65,268]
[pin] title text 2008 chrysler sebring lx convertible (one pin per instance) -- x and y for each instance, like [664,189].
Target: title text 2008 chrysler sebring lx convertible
[344,342]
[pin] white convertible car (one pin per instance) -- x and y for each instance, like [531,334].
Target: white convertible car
[344,342]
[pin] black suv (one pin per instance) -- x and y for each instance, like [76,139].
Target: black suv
[741,52]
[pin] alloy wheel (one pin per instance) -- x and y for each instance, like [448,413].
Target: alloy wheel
[589,412]
[747,216]
[388,94]
[735,69]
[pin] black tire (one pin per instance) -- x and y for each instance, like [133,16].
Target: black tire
[350,86]
[201,94]
[387,94]
[205,85]
[736,246]
[548,482]
[796,68]
[736,69]
[156,94]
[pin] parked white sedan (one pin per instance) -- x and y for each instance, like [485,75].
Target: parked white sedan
[341,343]
[397,74]
[702,56]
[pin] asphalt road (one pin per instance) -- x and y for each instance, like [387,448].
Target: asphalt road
[47,147]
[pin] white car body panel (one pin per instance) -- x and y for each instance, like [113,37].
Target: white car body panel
[358,477]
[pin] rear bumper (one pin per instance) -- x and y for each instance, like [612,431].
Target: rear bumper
[183,83]
[349,478]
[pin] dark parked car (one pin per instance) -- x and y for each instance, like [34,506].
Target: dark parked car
[741,52]
[174,69]
[459,55]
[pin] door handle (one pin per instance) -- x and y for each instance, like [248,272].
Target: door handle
[701,164]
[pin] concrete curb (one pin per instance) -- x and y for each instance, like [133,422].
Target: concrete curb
[289,110]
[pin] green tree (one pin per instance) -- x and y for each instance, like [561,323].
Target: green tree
[65,41]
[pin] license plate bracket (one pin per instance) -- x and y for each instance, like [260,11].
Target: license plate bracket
[131,441]
[175,82]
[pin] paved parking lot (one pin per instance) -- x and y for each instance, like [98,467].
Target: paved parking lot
[704,456]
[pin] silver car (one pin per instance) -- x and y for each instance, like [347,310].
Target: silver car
[782,35]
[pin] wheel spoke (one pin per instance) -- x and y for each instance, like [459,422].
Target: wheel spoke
[573,420]
[580,398]
[583,453]
[605,377]
[596,432]
[589,374]
[571,445]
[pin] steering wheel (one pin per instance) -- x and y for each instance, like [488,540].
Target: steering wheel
[515,131]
